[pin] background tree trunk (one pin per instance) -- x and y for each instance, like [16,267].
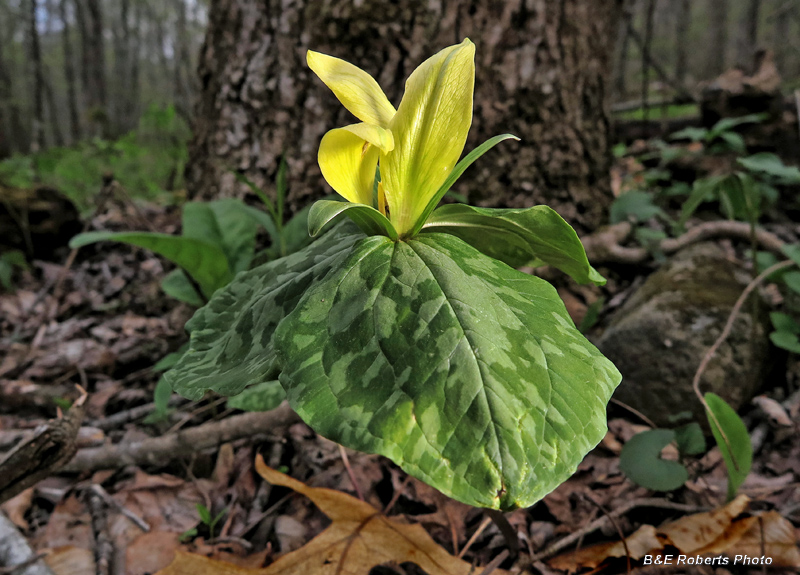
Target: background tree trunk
[748,34]
[69,74]
[542,68]
[683,19]
[37,83]
[717,37]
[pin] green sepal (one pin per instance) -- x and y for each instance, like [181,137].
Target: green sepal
[231,337]
[518,237]
[468,374]
[204,261]
[459,169]
[367,218]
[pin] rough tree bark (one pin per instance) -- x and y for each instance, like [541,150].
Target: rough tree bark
[542,68]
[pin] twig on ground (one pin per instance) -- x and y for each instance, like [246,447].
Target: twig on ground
[613,521]
[122,417]
[111,502]
[724,335]
[16,556]
[495,563]
[187,441]
[604,245]
[104,548]
[50,447]
[350,473]
[602,521]
[475,535]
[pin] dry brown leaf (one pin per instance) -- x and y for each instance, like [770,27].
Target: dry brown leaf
[358,539]
[70,560]
[643,541]
[699,530]
[719,532]
[16,507]
[773,410]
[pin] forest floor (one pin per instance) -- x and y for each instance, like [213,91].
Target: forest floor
[103,322]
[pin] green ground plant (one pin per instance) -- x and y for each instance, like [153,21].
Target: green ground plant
[743,194]
[147,161]
[404,329]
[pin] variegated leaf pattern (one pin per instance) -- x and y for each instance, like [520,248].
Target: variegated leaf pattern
[231,337]
[467,373]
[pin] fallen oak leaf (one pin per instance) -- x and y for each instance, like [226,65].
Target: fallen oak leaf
[722,531]
[358,539]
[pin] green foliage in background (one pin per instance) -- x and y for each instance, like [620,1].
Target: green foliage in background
[147,162]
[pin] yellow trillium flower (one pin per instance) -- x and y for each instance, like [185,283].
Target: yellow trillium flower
[417,145]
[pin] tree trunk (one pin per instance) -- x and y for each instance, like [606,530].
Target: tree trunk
[181,61]
[93,70]
[69,74]
[717,44]
[541,74]
[748,35]
[122,66]
[683,19]
[37,85]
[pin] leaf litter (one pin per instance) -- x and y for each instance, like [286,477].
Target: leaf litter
[112,323]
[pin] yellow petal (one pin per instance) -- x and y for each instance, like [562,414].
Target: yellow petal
[348,164]
[357,90]
[429,130]
[373,134]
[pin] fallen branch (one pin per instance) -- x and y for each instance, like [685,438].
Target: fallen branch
[605,245]
[16,556]
[156,450]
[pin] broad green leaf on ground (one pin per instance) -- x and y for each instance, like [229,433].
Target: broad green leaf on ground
[735,446]
[690,439]
[518,237]
[231,337]
[176,284]
[769,164]
[202,260]
[367,218]
[259,397]
[634,204]
[640,460]
[224,224]
[467,373]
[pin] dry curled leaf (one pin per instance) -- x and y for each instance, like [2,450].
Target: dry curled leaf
[358,539]
[724,531]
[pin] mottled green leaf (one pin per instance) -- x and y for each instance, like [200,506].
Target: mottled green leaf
[733,441]
[367,218]
[467,373]
[640,460]
[517,237]
[231,337]
[259,397]
[202,260]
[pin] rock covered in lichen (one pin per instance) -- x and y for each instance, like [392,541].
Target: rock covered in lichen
[658,338]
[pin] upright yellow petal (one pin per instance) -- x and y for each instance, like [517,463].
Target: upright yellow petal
[348,164]
[429,130]
[357,90]
[373,134]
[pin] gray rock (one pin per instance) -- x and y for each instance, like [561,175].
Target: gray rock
[659,336]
